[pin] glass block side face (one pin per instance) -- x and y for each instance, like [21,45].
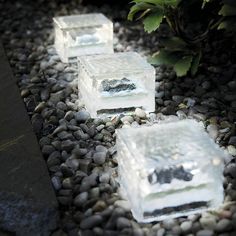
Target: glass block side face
[174,169]
[83,35]
[120,80]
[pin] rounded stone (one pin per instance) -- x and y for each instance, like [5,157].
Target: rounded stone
[81,199]
[205,232]
[91,222]
[99,157]
[82,116]
[122,222]
[186,226]
[208,222]
[140,113]
[223,225]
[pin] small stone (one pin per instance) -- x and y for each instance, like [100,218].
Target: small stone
[205,232]
[82,116]
[67,145]
[169,223]
[91,222]
[47,149]
[40,107]
[140,113]
[122,222]
[99,157]
[69,115]
[232,140]
[99,206]
[186,226]
[54,159]
[24,93]
[128,119]
[223,225]
[208,222]
[64,200]
[81,199]
[67,183]
[66,171]
[232,150]
[104,178]
[56,182]
[72,163]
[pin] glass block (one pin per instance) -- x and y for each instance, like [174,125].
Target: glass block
[115,83]
[169,170]
[85,34]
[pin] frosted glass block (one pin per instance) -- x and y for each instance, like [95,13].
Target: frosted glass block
[114,83]
[85,34]
[169,170]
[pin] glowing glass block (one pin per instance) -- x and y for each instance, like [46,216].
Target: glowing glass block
[115,83]
[169,170]
[86,34]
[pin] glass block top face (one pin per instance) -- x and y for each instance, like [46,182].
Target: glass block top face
[118,63]
[173,152]
[84,20]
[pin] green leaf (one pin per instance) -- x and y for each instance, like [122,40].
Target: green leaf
[195,63]
[183,65]
[153,21]
[228,10]
[160,2]
[229,25]
[175,44]
[163,57]
[138,7]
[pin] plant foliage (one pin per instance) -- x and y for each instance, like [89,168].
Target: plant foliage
[190,22]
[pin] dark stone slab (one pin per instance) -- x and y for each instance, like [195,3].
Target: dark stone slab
[28,205]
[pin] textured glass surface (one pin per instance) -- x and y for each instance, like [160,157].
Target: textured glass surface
[169,170]
[83,35]
[111,83]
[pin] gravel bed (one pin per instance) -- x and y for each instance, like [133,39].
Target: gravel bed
[79,151]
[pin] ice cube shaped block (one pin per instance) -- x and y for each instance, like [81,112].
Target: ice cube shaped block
[114,83]
[82,35]
[169,170]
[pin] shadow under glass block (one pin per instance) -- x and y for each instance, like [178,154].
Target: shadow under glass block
[116,83]
[85,34]
[169,170]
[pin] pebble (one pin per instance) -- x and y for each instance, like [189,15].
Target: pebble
[186,226]
[82,116]
[232,150]
[223,225]
[205,233]
[91,222]
[99,157]
[122,222]
[81,199]
[140,113]
[56,182]
[208,222]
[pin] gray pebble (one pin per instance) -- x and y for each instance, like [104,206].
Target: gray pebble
[91,221]
[99,157]
[205,233]
[122,222]
[56,182]
[186,226]
[223,225]
[67,145]
[81,199]
[82,116]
